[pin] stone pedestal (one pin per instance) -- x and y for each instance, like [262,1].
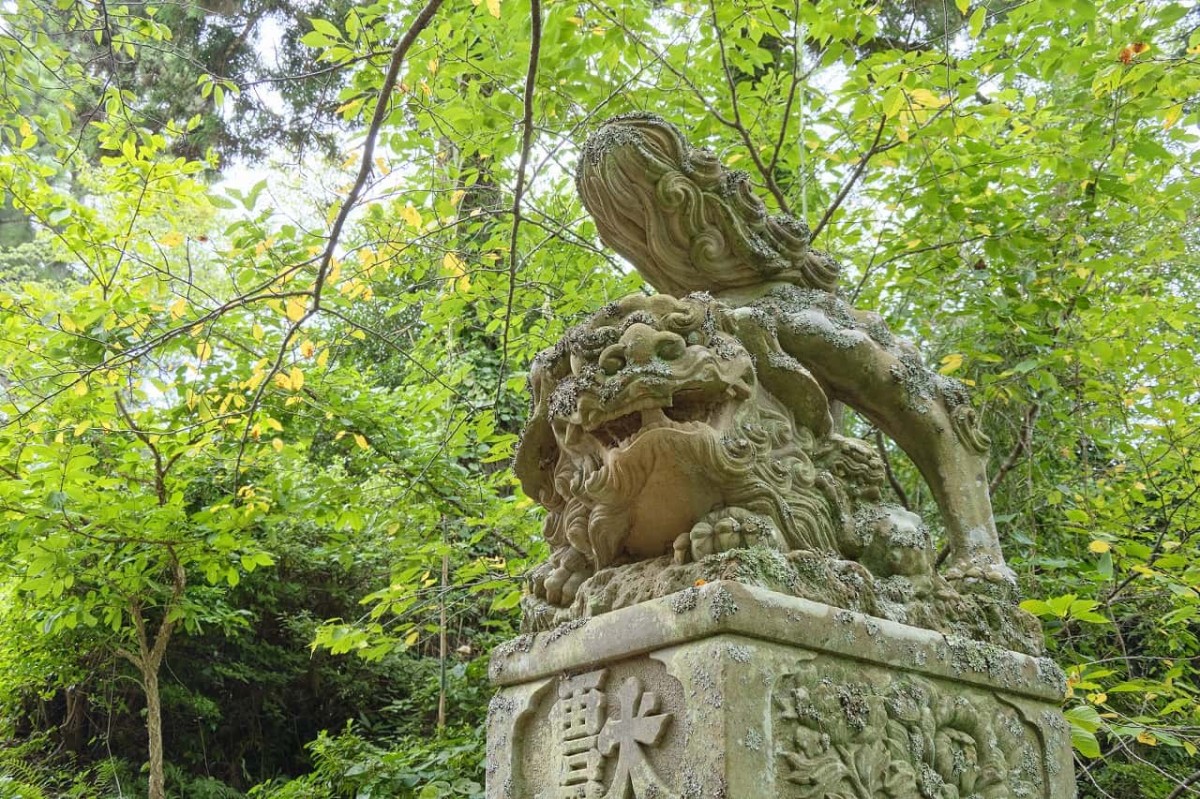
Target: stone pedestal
[730,692]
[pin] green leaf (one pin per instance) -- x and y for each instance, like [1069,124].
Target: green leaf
[975,24]
[327,28]
[893,101]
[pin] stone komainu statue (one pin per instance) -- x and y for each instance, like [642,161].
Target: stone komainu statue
[675,434]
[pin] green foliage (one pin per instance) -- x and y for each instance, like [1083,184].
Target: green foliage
[222,430]
[347,765]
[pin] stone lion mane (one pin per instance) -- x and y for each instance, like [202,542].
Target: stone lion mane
[743,449]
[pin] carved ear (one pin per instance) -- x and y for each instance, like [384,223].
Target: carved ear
[538,452]
[781,374]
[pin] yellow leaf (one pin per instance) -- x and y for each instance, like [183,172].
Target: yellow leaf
[361,440]
[323,358]
[963,6]
[1098,699]
[296,307]
[26,129]
[1099,547]
[80,429]
[283,381]
[453,264]
[307,348]
[277,444]
[296,378]
[926,98]
[172,239]
[1145,737]
[411,215]
[257,332]
[457,268]
[902,133]
[951,363]
[80,388]
[413,635]
[203,351]
[1172,116]
[457,196]
[178,308]
[493,7]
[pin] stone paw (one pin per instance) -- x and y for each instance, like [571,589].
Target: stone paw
[725,529]
[558,580]
[981,576]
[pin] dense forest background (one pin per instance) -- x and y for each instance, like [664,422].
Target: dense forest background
[272,271]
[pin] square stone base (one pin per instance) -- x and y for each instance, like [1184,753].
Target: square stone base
[732,692]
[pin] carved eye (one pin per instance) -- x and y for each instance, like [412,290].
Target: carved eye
[690,324]
[683,322]
[588,344]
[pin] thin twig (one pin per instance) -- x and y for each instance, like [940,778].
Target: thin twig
[1185,786]
[740,126]
[364,172]
[849,184]
[1024,442]
[535,47]
[895,483]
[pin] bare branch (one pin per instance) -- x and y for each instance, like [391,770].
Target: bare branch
[535,46]
[1024,441]
[849,184]
[893,481]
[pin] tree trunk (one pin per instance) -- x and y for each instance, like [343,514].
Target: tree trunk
[158,788]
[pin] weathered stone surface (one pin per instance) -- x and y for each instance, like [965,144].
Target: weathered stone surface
[688,224]
[731,609]
[693,426]
[727,691]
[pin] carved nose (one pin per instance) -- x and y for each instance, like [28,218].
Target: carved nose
[641,344]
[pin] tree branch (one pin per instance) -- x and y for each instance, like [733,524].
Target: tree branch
[535,47]
[1185,786]
[1024,441]
[739,126]
[893,481]
[849,184]
[364,171]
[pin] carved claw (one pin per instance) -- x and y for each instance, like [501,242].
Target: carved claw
[981,575]
[725,529]
[558,580]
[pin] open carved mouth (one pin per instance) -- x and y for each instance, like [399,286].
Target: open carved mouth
[689,410]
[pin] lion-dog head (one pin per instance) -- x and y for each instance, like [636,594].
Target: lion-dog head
[652,414]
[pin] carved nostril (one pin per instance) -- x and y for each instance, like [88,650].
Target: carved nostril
[670,346]
[612,359]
